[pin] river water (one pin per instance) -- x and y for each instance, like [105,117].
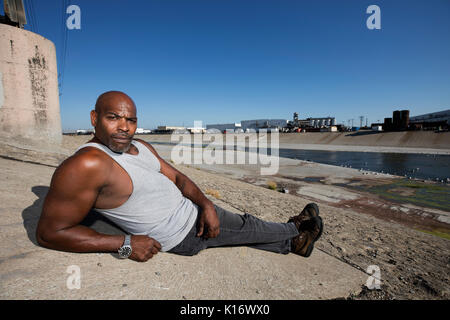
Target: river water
[414,165]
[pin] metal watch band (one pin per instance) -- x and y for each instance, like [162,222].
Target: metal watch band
[125,250]
[127,241]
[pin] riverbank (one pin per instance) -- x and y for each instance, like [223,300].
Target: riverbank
[413,264]
[363,226]
[424,142]
[385,196]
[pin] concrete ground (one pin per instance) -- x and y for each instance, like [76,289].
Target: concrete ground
[28,271]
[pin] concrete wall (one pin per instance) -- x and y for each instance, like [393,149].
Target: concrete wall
[29,98]
[409,139]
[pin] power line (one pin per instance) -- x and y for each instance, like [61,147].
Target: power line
[60,60]
[33,14]
[64,44]
[28,14]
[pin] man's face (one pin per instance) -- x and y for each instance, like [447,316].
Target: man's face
[115,123]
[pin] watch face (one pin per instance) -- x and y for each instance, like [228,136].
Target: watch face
[125,251]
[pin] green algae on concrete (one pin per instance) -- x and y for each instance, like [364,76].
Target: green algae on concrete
[431,195]
[442,234]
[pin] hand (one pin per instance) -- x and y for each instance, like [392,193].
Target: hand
[208,218]
[143,248]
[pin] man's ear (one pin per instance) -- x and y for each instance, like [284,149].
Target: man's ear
[94,118]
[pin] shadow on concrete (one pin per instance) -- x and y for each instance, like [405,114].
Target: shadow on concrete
[93,219]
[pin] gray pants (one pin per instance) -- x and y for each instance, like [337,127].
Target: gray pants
[240,230]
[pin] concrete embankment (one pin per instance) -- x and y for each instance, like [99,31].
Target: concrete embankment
[29,271]
[362,141]
[413,264]
[404,139]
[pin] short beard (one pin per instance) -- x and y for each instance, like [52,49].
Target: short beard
[118,149]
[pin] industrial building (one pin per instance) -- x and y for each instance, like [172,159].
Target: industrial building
[143,131]
[263,124]
[325,124]
[169,129]
[249,125]
[432,120]
[398,122]
[222,127]
[282,125]
[196,130]
[319,122]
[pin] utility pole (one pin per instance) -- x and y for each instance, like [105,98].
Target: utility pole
[361,119]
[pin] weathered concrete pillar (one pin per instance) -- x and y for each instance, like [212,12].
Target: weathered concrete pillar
[29,98]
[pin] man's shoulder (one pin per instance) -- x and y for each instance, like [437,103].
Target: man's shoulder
[89,160]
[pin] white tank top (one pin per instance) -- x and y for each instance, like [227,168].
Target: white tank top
[156,207]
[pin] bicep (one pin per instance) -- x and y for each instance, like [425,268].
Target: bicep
[71,196]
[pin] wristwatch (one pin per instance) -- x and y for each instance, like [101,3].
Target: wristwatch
[125,250]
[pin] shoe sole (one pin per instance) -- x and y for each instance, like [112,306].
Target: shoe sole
[311,245]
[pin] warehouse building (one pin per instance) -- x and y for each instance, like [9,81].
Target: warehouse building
[263,124]
[434,120]
[319,122]
[229,127]
[401,120]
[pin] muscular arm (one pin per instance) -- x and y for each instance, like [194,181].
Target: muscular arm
[190,190]
[73,190]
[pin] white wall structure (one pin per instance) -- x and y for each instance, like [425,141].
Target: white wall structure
[29,98]
[224,126]
[142,131]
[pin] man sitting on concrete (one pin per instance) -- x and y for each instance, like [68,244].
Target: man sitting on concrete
[128,182]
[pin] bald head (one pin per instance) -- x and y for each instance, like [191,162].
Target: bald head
[113,99]
[114,120]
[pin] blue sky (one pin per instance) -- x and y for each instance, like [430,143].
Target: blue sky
[222,61]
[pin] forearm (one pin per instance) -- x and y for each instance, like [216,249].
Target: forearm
[208,225]
[80,239]
[192,192]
